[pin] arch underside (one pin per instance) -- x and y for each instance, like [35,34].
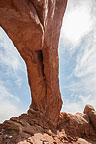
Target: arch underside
[34,27]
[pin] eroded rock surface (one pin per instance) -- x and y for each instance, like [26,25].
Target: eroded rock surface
[34,27]
[90,111]
[34,128]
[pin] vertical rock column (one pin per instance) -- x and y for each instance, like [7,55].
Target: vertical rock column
[34,27]
[56,9]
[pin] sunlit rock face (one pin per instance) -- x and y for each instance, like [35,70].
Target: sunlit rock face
[34,27]
[33,128]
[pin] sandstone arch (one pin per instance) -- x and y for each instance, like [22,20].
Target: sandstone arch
[34,27]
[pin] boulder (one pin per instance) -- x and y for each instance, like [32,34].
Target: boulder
[90,111]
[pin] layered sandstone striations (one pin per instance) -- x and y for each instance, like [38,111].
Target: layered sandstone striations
[34,27]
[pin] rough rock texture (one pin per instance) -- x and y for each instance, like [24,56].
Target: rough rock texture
[90,111]
[33,128]
[34,27]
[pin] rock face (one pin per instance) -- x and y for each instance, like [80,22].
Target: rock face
[34,128]
[34,27]
[90,111]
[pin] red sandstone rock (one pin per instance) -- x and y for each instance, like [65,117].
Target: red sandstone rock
[34,128]
[90,111]
[82,141]
[34,27]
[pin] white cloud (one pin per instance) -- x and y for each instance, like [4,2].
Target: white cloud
[6,94]
[11,69]
[8,110]
[8,54]
[10,58]
[78,21]
[86,63]
[71,107]
[75,106]
[79,38]
[8,104]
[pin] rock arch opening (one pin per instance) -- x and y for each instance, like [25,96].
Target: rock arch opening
[14,90]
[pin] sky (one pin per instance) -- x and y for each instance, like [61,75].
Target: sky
[14,88]
[77,53]
[77,68]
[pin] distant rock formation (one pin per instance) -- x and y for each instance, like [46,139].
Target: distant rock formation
[34,27]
